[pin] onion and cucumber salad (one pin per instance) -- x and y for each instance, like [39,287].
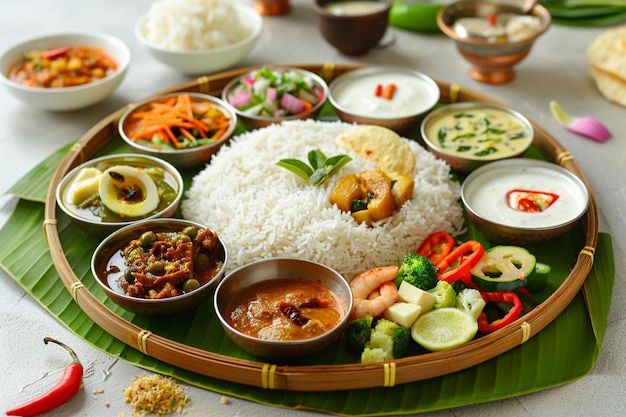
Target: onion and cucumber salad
[275,93]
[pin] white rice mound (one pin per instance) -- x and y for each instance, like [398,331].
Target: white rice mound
[262,210]
[190,25]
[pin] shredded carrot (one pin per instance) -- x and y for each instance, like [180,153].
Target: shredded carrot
[389,91]
[176,117]
[307,106]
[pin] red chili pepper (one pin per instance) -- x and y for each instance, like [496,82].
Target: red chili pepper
[436,246]
[293,313]
[65,389]
[467,256]
[55,53]
[379,90]
[484,326]
[491,19]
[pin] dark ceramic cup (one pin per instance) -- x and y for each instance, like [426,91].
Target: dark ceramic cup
[353,28]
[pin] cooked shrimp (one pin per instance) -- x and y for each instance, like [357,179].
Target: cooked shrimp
[374,291]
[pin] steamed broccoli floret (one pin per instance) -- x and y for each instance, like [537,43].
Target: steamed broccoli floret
[371,355]
[391,338]
[471,301]
[358,333]
[445,295]
[418,271]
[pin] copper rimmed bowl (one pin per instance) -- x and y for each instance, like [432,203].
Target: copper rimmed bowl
[492,62]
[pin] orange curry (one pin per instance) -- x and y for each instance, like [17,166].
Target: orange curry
[285,309]
[62,67]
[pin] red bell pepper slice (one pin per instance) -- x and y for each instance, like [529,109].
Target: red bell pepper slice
[484,326]
[436,246]
[467,254]
[530,201]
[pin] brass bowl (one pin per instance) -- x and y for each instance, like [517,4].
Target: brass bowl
[492,62]
[282,268]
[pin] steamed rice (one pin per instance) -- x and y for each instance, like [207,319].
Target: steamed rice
[194,24]
[262,210]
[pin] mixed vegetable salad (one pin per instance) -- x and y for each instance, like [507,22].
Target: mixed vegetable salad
[275,93]
[447,293]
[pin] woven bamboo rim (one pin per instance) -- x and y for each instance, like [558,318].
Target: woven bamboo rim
[317,377]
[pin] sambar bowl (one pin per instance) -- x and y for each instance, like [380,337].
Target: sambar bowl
[133,180]
[198,61]
[188,143]
[270,95]
[524,201]
[154,290]
[362,96]
[468,135]
[281,340]
[55,50]
[492,54]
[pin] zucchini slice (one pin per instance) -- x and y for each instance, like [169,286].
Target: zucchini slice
[503,268]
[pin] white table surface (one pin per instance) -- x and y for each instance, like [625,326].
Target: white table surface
[556,69]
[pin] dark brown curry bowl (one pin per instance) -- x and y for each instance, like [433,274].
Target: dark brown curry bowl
[469,141]
[353,32]
[524,201]
[180,157]
[252,120]
[108,267]
[492,62]
[277,342]
[357,97]
[83,203]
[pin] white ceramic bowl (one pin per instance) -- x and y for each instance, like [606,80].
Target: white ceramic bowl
[66,98]
[208,60]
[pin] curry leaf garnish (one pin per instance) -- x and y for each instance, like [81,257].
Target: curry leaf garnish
[319,169]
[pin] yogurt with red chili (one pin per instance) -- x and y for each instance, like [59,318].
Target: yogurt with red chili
[525,193]
[364,92]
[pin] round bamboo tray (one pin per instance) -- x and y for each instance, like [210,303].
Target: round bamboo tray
[318,377]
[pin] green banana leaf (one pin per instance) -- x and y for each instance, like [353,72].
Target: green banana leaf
[564,351]
[586,12]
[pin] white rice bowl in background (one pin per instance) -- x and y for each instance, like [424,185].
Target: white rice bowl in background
[262,210]
[190,25]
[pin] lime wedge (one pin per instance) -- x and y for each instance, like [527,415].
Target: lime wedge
[444,329]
